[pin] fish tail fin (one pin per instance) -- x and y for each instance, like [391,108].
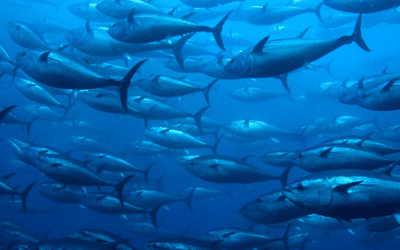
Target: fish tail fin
[29,125]
[284,176]
[317,11]
[24,194]
[189,199]
[160,181]
[328,68]
[15,69]
[120,186]
[146,172]
[147,115]
[215,145]
[57,5]
[304,242]
[286,237]
[207,89]
[177,49]
[72,95]
[5,111]
[218,29]
[124,84]
[375,120]
[229,193]
[68,108]
[153,215]
[198,115]
[357,37]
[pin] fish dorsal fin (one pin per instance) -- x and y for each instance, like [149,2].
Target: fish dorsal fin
[264,8]
[247,122]
[260,45]
[87,26]
[345,187]
[344,83]
[281,198]
[101,197]
[389,85]
[56,165]
[44,56]
[325,153]
[131,18]
[156,78]
[303,32]
[245,158]
[360,143]
[228,234]
[360,84]
[384,72]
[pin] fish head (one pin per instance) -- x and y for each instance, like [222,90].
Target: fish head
[27,60]
[350,97]
[309,194]
[240,65]
[74,36]
[14,28]
[78,9]
[105,7]
[218,235]
[118,30]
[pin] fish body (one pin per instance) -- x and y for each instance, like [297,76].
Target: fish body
[329,157]
[26,36]
[271,208]
[361,6]
[120,9]
[346,194]
[147,28]
[224,169]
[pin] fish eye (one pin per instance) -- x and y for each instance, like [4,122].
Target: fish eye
[300,187]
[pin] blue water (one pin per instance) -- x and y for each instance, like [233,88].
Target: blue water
[349,61]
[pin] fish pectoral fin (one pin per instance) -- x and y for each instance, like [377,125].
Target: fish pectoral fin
[281,198]
[325,153]
[396,216]
[56,165]
[214,166]
[101,197]
[345,187]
